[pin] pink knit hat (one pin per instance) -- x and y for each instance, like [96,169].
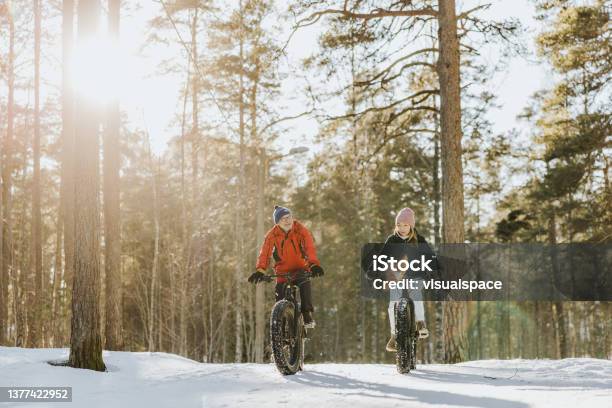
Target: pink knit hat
[405,216]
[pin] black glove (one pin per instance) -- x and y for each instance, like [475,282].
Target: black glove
[256,277]
[316,271]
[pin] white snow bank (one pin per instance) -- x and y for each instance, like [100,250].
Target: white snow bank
[166,380]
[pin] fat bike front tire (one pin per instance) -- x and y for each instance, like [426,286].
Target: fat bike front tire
[287,342]
[404,341]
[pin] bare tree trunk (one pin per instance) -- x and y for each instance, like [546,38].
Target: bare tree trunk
[85,339]
[259,289]
[363,332]
[173,303]
[20,269]
[160,304]
[439,306]
[57,278]
[436,177]
[560,326]
[240,253]
[260,324]
[558,316]
[184,240]
[7,169]
[21,266]
[197,257]
[452,172]
[450,122]
[36,298]
[195,129]
[67,172]
[248,328]
[376,334]
[338,333]
[538,333]
[19,304]
[210,291]
[112,212]
[439,346]
[154,271]
[3,279]
[501,338]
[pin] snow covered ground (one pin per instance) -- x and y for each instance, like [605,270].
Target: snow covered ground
[166,380]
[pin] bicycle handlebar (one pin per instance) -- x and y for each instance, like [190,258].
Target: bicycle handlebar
[302,274]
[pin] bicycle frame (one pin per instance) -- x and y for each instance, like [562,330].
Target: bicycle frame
[291,291]
[293,327]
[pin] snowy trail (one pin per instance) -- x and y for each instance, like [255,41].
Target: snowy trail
[166,380]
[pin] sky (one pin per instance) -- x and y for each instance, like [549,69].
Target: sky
[153,100]
[156,98]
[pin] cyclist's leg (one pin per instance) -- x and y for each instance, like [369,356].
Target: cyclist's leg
[391,311]
[306,295]
[419,310]
[306,302]
[279,291]
[394,296]
[417,297]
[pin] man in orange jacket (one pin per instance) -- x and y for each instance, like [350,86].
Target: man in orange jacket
[291,245]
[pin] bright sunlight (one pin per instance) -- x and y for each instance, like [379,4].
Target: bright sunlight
[98,68]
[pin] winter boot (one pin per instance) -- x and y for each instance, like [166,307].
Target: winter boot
[392,344]
[422,332]
[309,322]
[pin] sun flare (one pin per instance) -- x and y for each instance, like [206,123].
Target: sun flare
[96,68]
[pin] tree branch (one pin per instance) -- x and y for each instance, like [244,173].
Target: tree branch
[284,119]
[395,136]
[470,11]
[376,13]
[390,67]
[382,108]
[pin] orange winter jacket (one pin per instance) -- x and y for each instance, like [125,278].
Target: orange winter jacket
[292,251]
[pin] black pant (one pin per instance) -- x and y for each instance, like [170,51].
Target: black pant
[305,293]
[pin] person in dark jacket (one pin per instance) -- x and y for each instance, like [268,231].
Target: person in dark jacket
[407,243]
[291,245]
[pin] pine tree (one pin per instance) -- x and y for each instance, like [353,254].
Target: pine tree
[85,337]
[35,318]
[7,170]
[112,215]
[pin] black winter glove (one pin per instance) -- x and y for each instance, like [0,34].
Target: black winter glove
[256,277]
[316,271]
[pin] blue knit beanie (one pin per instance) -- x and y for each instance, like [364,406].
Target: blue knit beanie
[279,212]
